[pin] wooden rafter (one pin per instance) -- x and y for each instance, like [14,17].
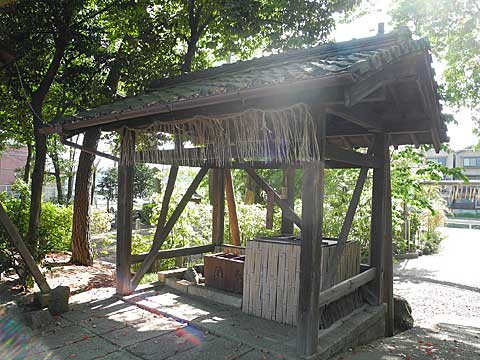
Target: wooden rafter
[364,119]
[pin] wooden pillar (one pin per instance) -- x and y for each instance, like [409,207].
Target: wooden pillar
[232,208]
[124,211]
[377,225]
[218,203]
[388,260]
[308,312]
[288,194]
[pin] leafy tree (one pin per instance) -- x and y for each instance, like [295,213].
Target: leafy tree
[107,187]
[453,28]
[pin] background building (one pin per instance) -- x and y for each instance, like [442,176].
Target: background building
[462,198]
[11,160]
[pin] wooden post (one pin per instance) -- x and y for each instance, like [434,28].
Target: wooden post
[388,272]
[124,212]
[377,225]
[27,257]
[289,196]
[218,204]
[308,312]
[232,209]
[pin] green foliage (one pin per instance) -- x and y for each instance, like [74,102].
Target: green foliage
[101,221]
[431,242]
[143,182]
[453,28]
[55,227]
[147,212]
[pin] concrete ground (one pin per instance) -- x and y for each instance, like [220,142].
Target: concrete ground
[444,292]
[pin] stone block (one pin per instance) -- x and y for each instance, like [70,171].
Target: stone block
[41,299]
[175,273]
[39,319]
[58,302]
[179,285]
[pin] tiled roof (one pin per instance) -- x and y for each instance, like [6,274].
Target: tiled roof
[357,57]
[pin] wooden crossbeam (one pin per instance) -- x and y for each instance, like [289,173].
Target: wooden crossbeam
[364,119]
[173,253]
[351,157]
[282,203]
[345,287]
[333,153]
[27,257]
[150,258]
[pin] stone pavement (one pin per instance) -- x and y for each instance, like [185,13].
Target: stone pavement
[114,329]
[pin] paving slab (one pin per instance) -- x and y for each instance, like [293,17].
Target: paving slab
[214,348]
[65,336]
[120,355]
[165,346]
[88,349]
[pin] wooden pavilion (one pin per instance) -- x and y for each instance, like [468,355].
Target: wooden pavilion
[311,109]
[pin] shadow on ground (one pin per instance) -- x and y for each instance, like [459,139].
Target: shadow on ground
[112,329]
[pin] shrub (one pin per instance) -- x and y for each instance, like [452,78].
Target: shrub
[55,223]
[55,227]
[147,212]
[101,221]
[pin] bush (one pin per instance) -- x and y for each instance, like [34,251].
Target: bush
[147,212]
[431,242]
[55,223]
[101,221]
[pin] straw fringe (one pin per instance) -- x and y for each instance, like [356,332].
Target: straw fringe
[287,135]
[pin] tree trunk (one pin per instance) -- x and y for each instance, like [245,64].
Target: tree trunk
[94,179]
[251,190]
[58,176]
[36,193]
[82,253]
[28,164]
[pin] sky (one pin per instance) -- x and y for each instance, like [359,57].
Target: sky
[461,135]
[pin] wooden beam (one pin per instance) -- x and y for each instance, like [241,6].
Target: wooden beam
[150,258]
[388,261]
[27,257]
[345,287]
[289,196]
[308,311]
[270,211]
[377,226]
[173,253]
[124,213]
[351,157]
[162,218]
[88,150]
[361,118]
[283,204]
[218,205]
[232,209]
[346,226]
